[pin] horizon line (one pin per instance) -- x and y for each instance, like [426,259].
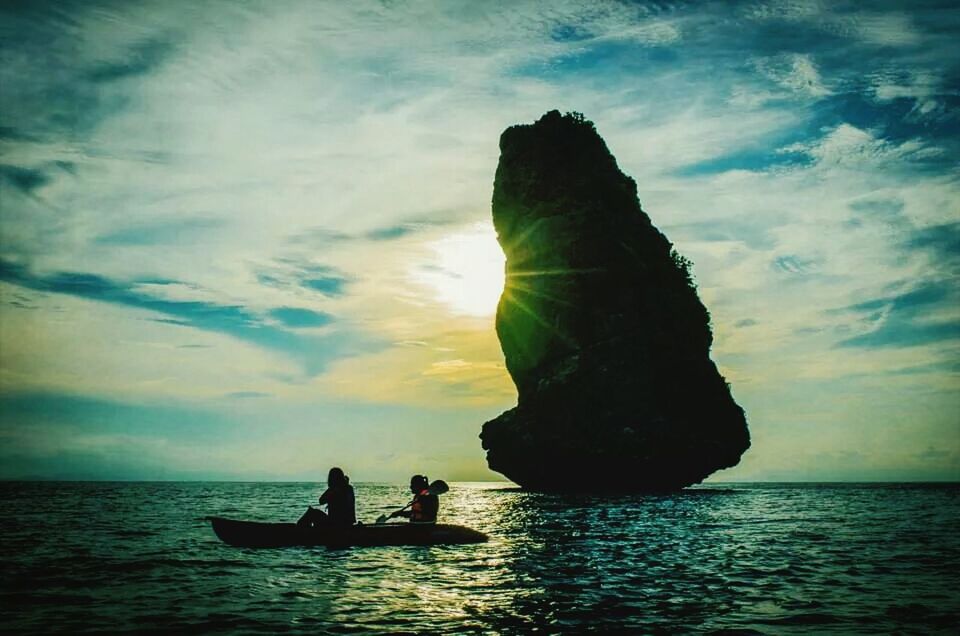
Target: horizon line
[456,481]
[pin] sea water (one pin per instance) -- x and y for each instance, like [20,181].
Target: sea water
[756,558]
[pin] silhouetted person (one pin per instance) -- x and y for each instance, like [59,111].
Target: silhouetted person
[340,504]
[425,504]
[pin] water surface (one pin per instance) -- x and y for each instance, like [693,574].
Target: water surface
[762,558]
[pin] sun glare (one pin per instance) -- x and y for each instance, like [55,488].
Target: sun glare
[467,271]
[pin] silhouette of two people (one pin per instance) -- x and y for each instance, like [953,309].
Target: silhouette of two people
[339,499]
[341,504]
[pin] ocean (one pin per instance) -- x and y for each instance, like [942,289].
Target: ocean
[743,558]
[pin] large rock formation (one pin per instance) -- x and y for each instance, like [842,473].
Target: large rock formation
[601,328]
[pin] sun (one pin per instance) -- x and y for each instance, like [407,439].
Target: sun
[466,271]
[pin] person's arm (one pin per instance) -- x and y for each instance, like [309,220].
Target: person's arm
[325,497]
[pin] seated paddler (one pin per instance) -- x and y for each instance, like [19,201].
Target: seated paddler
[338,497]
[425,504]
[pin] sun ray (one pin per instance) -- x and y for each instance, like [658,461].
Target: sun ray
[554,272]
[552,328]
[521,235]
[517,285]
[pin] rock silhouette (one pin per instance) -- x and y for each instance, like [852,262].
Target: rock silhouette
[601,328]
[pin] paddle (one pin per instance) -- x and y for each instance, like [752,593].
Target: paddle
[438,487]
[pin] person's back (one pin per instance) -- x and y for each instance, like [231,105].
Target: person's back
[341,505]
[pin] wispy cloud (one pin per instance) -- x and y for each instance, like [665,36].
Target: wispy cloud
[911,318]
[313,352]
[941,241]
[188,231]
[246,395]
[286,273]
[298,317]
[171,202]
[139,59]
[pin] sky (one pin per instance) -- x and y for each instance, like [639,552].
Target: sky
[253,240]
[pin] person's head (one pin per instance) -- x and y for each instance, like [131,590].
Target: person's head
[418,483]
[336,478]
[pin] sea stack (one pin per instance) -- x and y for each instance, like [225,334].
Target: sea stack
[601,328]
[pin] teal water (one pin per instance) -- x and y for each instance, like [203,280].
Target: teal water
[756,558]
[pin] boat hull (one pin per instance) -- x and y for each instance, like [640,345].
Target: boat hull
[254,534]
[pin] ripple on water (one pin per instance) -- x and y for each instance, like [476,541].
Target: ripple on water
[751,558]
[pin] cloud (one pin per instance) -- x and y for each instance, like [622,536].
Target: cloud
[24,179]
[63,70]
[388,233]
[160,232]
[288,273]
[8,133]
[457,366]
[933,99]
[906,335]
[166,190]
[313,352]
[908,301]
[942,241]
[406,229]
[329,285]
[793,264]
[62,436]
[139,59]
[297,317]
[882,210]
[745,230]
[796,73]
[909,319]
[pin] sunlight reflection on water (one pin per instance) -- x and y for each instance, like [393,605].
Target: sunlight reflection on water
[769,558]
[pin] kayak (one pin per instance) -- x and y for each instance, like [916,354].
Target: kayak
[255,534]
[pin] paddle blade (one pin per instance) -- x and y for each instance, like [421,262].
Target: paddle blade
[438,487]
[381,519]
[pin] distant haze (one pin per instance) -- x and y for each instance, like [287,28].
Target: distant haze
[253,240]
